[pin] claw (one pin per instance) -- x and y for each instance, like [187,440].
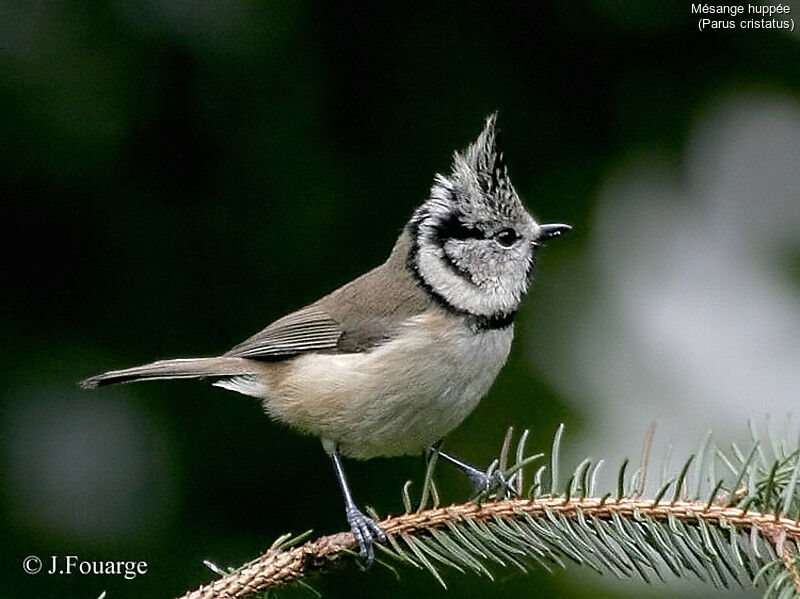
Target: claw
[483,483]
[489,481]
[366,532]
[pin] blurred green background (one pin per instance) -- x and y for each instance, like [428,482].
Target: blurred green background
[178,174]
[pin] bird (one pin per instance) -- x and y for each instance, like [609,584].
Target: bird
[391,362]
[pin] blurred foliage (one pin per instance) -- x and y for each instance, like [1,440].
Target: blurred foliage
[179,174]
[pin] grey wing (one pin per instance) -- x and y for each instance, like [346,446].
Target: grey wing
[308,329]
[366,313]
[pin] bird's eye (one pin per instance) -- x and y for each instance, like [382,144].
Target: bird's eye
[507,237]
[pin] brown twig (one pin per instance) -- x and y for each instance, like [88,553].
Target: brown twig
[790,563]
[778,537]
[276,568]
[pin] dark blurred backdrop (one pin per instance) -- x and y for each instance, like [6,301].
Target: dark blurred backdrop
[178,174]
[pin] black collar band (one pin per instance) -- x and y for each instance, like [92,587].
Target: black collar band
[494,322]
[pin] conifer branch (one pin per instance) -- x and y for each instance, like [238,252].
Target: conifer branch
[276,568]
[745,531]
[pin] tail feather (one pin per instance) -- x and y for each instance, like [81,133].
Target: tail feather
[185,368]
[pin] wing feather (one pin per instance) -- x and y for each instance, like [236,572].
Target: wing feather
[309,329]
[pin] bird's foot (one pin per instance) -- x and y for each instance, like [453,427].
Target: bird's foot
[488,482]
[484,483]
[366,532]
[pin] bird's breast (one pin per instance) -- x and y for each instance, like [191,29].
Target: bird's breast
[397,398]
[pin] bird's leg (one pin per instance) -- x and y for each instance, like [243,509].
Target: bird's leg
[365,530]
[482,481]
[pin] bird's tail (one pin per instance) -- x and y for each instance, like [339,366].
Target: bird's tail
[187,368]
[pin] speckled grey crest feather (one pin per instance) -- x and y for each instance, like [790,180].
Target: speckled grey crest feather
[478,188]
[484,163]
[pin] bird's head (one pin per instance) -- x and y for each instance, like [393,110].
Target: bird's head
[474,243]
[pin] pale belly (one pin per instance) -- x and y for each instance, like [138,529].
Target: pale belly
[397,399]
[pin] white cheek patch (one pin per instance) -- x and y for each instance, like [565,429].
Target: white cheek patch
[484,297]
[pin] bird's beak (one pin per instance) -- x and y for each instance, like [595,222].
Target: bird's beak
[547,232]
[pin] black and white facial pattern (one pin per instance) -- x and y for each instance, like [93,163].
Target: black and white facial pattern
[474,240]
